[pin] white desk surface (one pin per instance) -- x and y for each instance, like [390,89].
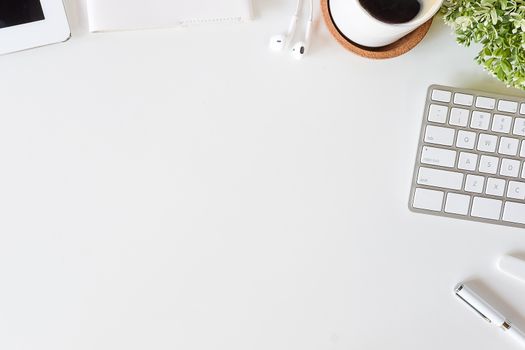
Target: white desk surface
[186,189]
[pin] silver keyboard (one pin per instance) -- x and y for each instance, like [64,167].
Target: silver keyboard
[470,159]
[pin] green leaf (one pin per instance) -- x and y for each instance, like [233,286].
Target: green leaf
[507,68]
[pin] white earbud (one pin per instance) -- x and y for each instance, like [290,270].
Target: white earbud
[300,48]
[278,42]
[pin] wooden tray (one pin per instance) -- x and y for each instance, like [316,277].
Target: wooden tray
[395,49]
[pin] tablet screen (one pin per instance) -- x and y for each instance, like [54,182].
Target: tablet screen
[16,12]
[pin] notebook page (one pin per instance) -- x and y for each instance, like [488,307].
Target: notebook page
[108,15]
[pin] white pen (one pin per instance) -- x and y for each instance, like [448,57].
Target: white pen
[488,312]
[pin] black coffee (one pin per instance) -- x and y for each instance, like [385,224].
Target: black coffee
[392,11]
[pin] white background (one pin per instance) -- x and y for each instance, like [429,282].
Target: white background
[186,189]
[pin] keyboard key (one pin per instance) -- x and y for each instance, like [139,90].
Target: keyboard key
[440,178]
[485,102]
[466,139]
[487,143]
[486,208]
[522,149]
[501,123]
[510,167]
[514,212]
[457,204]
[437,114]
[458,117]
[488,165]
[480,120]
[522,108]
[463,99]
[495,187]
[439,136]
[428,199]
[438,156]
[441,95]
[507,106]
[474,183]
[519,127]
[516,190]
[508,146]
[467,161]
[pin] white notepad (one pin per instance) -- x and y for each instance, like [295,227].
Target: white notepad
[110,15]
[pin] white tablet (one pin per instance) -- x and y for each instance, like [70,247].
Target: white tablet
[31,23]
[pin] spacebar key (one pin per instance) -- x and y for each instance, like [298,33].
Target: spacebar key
[514,212]
[439,178]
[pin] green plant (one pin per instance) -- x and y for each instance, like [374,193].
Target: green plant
[499,26]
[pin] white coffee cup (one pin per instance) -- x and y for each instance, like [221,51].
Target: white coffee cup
[354,22]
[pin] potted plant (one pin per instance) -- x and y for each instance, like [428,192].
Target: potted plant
[499,26]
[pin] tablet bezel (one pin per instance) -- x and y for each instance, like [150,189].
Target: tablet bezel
[53,29]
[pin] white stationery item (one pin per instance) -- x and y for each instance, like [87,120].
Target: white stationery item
[111,15]
[513,267]
[489,314]
[358,25]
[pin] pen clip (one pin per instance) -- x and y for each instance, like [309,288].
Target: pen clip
[459,288]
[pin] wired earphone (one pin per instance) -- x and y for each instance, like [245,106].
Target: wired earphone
[280,41]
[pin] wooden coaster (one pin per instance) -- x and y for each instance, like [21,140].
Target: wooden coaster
[403,45]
